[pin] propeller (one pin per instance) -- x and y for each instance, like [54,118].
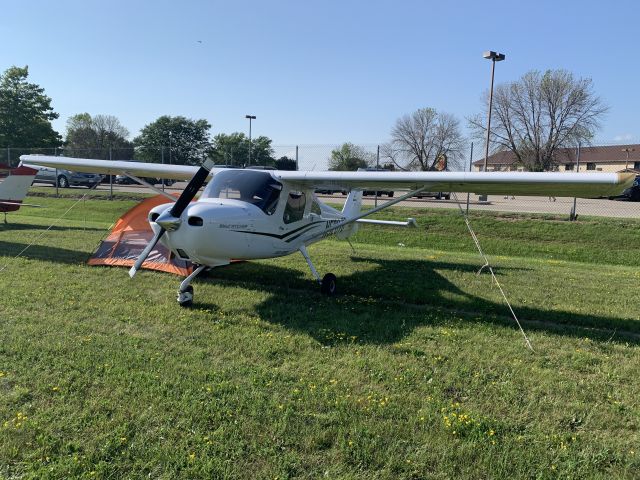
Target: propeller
[170,220]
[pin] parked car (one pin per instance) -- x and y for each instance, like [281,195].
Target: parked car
[377,193]
[633,192]
[124,180]
[66,178]
[436,195]
[259,167]
[330,191]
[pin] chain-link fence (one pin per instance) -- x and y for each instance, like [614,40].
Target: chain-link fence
[318,157]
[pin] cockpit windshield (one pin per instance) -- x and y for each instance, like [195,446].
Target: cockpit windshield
[251,186]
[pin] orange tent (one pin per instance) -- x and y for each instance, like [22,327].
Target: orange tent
[130,236]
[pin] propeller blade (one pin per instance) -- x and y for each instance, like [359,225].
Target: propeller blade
[145,253]
[176,210]
[192,188]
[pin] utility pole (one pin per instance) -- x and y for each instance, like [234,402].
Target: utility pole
[250,117]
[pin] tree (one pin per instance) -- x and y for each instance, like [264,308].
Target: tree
[233,149]
[537,115]
[286,163]
[421,140]
[101,136]
[349,157]
[25,112]
[177,139]
[262,152]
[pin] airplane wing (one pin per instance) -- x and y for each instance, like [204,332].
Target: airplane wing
[112,167]
[495,183]
[595,184]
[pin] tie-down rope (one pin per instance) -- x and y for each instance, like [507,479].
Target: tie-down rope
[47,229]
[487,265]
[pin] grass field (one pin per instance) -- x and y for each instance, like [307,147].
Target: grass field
[414,371]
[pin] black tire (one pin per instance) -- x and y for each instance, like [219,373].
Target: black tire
[188,303]
[438,197]
[63,182]
[390,194]
[447,197]
[329,284]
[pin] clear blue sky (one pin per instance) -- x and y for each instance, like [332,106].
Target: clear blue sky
[319,72]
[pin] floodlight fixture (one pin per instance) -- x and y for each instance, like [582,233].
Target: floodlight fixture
[627,150]
[494,57]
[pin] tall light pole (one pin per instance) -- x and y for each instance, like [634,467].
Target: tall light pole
[494,57]
[170,135]
[626,166]
[250,117]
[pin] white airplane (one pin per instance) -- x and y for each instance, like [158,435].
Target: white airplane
[255,214]
[14,187]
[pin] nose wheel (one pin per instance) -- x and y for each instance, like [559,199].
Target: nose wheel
[328,283]
[185,293]
[185,299]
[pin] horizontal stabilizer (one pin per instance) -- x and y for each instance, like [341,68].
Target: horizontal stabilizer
[411,222]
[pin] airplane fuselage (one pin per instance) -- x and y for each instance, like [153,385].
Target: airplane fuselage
[215,231]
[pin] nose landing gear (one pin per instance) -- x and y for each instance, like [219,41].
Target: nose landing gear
[185,292]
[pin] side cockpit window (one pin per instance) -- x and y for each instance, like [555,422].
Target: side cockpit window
[294,210]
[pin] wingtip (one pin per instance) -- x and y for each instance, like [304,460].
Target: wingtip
[626,178]
[132,271]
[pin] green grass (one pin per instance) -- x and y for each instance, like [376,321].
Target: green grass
[414,371]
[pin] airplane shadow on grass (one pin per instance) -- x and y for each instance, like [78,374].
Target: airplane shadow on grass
[383,304]
[16,227]
[380,302]
[42,252]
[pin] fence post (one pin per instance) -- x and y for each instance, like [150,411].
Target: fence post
[110,179]
[297,164]
[573,216]
[470,167]
[162,161]
[377,168]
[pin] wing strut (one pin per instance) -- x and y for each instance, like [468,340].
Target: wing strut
[148,185]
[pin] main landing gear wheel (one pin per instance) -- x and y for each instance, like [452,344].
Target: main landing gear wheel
[185,299]
[328,284]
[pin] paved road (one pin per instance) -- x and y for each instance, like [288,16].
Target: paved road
[561,205]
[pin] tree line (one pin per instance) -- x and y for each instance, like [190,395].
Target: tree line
[533,118]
